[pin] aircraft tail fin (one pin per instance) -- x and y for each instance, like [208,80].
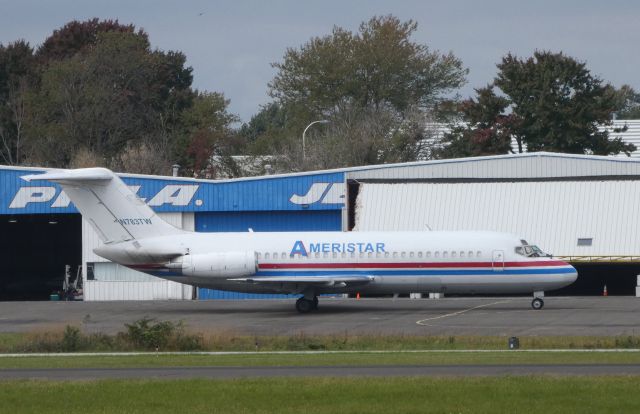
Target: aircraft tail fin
[112,209]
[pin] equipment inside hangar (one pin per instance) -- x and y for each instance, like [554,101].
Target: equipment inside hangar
[35,249]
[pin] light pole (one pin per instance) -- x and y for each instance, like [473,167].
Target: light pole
[322,121]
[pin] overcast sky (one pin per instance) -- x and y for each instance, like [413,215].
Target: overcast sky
[230,44]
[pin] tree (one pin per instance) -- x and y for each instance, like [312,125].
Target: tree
[364,136]
[629,103]
[208,137]
[75,37]
[486,130]
[548,102]
[108,97]
[349,78]
[377,66]
[17,73]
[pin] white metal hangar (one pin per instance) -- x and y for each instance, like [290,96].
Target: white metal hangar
[583,208]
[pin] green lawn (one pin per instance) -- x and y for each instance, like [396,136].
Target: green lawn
[327,395]
[363,358]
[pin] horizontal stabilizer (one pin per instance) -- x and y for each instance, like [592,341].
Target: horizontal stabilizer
[85,174]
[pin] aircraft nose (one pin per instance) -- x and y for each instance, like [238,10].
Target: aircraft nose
[570,276]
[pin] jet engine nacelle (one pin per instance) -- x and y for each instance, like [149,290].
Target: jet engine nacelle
[227,264]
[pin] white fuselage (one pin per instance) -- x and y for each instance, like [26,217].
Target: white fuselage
[396,262]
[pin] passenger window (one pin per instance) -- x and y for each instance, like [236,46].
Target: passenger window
[428,254]
[283,255]
[378,255]
[479,253]
[343,255]
[353,255]
[404,254]
[436,254]
[369,254]
[461,254]
[325,255]
[444,254]
[361,255]
[395,254]
[470,253]
[453,254]
[334,255]
[386,254]
[259,255]
[317,255]
[266,255]
[411,254]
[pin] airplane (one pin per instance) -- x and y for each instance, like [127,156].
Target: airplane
[306,263]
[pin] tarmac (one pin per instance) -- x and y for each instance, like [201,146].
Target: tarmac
[561,316]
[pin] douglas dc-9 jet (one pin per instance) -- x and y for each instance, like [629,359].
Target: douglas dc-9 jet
[306,263]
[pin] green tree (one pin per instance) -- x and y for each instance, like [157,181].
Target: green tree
[76,36]
[378,74]
[548,102]
[629,103]
[486,129]
[208,142]
[378,66]
[17,76]
[113,96]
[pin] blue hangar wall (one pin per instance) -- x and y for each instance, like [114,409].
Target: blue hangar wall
[310,202]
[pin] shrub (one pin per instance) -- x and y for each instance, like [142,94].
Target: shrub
[71,339]
[147,334]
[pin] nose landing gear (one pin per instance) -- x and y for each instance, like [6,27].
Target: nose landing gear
[537,303]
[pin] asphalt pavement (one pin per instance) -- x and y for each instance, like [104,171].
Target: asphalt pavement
[580,316]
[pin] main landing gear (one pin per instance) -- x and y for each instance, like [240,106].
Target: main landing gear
[537,303]
[304,305]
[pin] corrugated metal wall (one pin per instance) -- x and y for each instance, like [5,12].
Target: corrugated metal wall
[263,221]
[115,282]
[551,214]
[123,290]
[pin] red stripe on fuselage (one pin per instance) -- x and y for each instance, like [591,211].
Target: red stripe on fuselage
[402,265]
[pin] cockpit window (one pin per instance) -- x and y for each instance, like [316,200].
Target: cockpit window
[530,251]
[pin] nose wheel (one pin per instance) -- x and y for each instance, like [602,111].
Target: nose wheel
[537,303]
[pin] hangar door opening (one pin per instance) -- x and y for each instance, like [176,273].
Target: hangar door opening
[34,250]
[579,221]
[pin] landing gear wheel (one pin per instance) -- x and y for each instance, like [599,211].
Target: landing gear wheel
[304,305]
[315,302]
[537,303]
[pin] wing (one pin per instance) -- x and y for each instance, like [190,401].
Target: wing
[324,281]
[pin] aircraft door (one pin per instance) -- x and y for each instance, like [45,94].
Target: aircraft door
[498,260]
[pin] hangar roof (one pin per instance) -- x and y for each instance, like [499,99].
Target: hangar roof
[526,165]
[535,165]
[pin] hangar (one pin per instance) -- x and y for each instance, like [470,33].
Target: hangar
[581,208]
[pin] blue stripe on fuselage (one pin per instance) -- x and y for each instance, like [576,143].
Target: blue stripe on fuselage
[417,272]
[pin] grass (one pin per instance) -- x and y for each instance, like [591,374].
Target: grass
[362,358]
[178,338]
[327,395]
